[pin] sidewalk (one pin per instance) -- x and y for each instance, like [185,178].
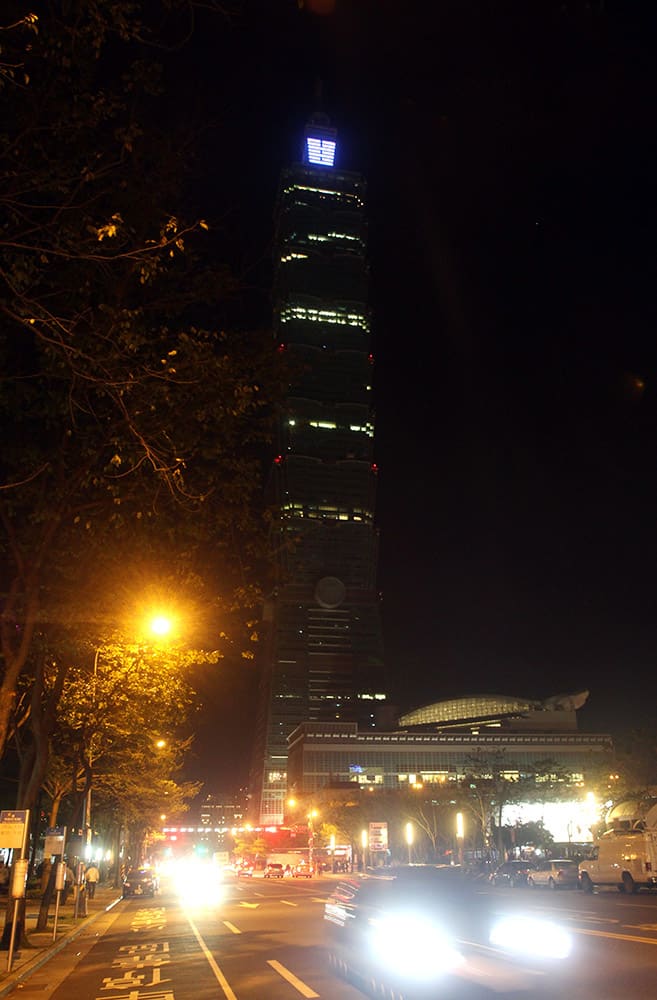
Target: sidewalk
[41,946]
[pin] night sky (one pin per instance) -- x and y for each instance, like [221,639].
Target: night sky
[511,161]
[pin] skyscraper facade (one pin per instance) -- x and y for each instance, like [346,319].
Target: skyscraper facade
[323,649]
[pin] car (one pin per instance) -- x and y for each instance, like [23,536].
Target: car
[140,882]
[245,871]
[274,870]
[511,874]
[302,871]
[555,873]
[427,933]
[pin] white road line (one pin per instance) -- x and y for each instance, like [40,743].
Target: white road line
[304,990]
[231,927]
[616,937]
[219,976]
[287,903]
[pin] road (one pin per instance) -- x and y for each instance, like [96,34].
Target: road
[264,940]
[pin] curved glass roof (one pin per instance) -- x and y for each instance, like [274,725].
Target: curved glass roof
[471,707]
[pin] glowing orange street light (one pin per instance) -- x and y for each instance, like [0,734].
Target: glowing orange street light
[160,625]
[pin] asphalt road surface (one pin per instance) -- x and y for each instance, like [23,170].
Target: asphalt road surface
[265,940]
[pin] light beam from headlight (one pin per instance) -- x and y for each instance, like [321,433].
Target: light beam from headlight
[413,947]
[524,936]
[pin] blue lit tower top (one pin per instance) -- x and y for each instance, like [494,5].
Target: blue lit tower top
[320,142]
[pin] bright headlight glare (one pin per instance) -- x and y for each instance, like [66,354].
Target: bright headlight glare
[199,885]
[531,938]
[413,947]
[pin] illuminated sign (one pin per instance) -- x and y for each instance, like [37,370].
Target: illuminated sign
[378,836]
[320,151]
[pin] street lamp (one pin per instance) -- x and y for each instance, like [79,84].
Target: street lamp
[87,802]
[409,839]
[160,625]
[459,835]
[311,837]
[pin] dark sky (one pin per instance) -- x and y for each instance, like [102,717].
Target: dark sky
[510,151]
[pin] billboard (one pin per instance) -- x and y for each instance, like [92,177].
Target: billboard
[378,837]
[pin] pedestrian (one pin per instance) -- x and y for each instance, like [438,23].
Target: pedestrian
[92,876]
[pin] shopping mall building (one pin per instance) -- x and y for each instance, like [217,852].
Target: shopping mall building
[442,742]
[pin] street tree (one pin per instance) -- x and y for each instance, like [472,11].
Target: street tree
[112,722]
[486,787]
[432,811]
[132,424]
[634,770]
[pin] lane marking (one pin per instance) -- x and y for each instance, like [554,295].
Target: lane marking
[249,906]
[286,902]
[616,937]
[231,927]
[219,976]
[304,990]
[596,920]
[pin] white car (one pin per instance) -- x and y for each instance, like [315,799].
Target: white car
[557,873]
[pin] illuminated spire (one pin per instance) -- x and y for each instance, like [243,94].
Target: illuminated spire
[320,141]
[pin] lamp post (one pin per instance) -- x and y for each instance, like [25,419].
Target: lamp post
[409,839]
[87,802]
[459,835]
[363,847]
[311,837]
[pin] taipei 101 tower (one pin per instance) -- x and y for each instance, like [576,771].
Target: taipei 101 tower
[322,658]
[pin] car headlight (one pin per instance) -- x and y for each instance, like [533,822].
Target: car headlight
[529,938]
[413,947]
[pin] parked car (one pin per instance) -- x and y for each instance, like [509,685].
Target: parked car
[430,932]
[274,870]
[557,873]
[302,871]
[511,874]
[140,882]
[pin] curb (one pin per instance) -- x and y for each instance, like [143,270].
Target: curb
[10,980]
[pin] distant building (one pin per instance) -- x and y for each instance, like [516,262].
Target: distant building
[222,811]
[210,830]
[322,656]
[438,743]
